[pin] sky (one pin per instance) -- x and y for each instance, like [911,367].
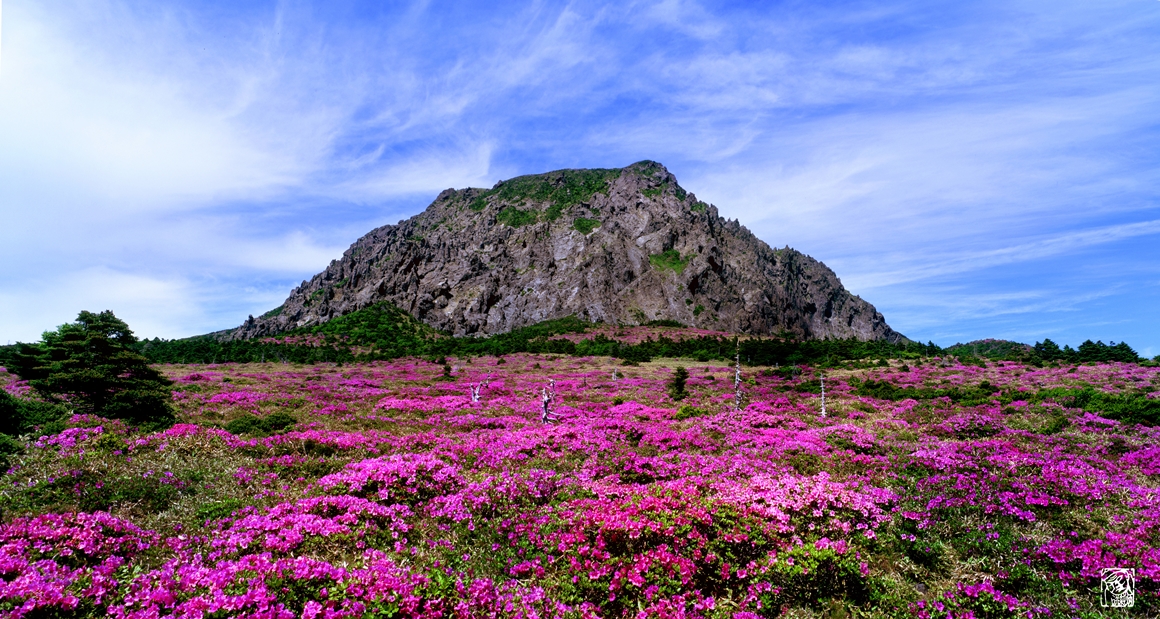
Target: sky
[973,169]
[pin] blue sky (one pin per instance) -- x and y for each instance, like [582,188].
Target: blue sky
[981,169]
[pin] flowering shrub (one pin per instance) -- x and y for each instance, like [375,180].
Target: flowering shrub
[401,478]
[65,561]
[942,490]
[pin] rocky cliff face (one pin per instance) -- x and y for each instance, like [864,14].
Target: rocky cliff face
[619,246]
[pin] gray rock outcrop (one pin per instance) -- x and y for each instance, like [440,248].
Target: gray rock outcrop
[619,246]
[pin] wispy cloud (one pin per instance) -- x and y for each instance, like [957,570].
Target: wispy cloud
[936,265]
[151,306]
[185,149]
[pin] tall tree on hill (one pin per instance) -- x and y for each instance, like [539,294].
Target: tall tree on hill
[90,366]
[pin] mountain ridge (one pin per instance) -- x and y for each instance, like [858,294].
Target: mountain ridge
[626,245]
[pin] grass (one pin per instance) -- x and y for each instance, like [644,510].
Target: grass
[584,225]
[514,217]
[670,260]
[561,190]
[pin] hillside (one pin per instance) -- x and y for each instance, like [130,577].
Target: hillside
[624,246]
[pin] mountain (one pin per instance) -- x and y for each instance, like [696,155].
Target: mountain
[621,246]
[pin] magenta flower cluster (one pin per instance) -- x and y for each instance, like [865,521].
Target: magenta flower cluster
[398,494]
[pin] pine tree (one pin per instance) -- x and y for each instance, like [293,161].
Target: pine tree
[90,366]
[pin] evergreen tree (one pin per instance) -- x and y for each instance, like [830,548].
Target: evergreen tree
[90,366]
[1048,350]
[18,416]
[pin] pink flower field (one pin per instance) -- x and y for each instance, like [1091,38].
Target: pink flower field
[386,489]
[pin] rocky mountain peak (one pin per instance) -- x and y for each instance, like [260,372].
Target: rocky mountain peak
[626,245]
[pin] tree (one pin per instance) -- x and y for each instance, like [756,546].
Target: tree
[90,366]
[1048,350]
[19,416]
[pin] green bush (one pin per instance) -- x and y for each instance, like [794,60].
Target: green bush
[516,218]
[1129,407]
[562,188]
[273,423]
[967,395]
[786,373]
[585,225]
[90,491]
[687,412]
[1056,424]
[809,386]
[677,384]
[670,260]
[8,447]
[219,509]
[19,416]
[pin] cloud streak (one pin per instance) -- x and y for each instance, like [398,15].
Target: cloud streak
[943,265]
[215,154]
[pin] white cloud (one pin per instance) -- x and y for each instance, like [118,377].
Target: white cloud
[951,175]
[150,306]
[293,253]
[936,265]
[426,173]
[686,17]
[75,126]
[899,142]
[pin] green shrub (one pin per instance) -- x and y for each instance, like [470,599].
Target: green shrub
[8,447]
[803,462]
[585,225]
[563,188]
[809,386]
[19,416]
[91,491]
[273,423]
[1128,407]
[514,217]
[821,576]
[219,509]
[968,395]
[1056,424]
[677,384]
[687,412]
[670,260]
